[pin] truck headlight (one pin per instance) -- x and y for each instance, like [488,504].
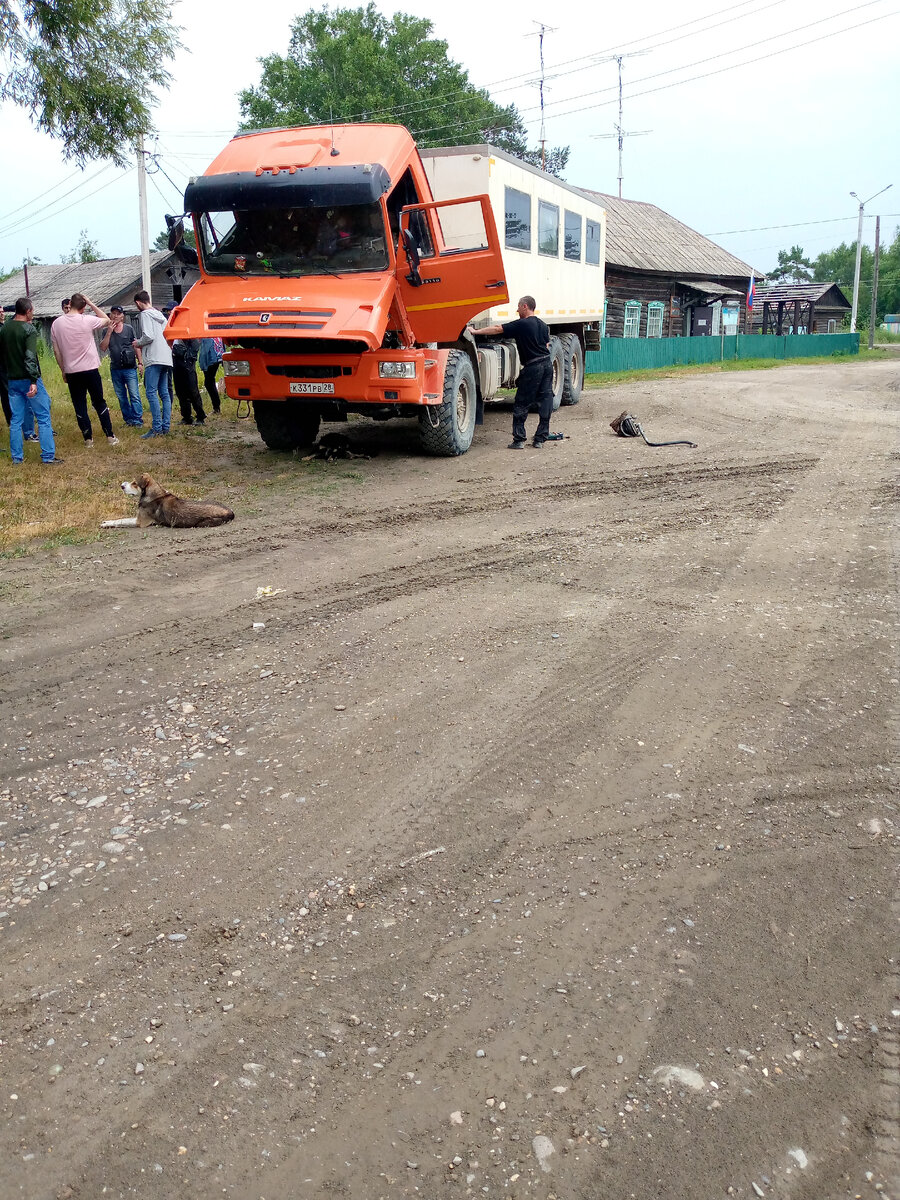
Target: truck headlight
[397,370]
[237,366]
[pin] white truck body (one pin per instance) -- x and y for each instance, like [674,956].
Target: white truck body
[556,270]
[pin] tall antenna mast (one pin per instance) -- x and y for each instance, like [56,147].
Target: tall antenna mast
[542,29]
[621,133]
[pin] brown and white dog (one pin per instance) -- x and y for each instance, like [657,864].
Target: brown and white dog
[156,506]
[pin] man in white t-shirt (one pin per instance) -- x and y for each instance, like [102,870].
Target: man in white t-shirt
[75,347]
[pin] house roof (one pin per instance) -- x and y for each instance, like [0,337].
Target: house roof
[709,289]
[103,281]
[804,292]
[643,237]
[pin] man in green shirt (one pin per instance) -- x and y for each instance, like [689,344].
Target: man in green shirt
[18,354]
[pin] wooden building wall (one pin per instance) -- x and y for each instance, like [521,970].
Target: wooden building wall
[623,285]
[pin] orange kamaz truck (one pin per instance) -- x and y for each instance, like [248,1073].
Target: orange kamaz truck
[338,283]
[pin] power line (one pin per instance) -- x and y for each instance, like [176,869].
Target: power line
[796,224]
[726,53]
[26,218]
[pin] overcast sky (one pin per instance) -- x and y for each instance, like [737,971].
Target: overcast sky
[759,115]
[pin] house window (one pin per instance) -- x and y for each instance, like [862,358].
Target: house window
[548,229]
[632,319]
[518,219]
[655,313]
[832,325]
[573,236]
[592,243]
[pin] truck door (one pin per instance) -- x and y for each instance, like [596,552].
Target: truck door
[460,267]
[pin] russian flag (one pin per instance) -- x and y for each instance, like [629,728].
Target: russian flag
[750,293]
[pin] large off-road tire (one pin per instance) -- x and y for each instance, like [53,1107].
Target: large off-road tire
[446,429]
[558,361]
[573,373]
[285,426]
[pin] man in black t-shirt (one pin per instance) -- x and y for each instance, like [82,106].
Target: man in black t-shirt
[535,382]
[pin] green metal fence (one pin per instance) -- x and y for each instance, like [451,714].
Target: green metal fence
[631,354]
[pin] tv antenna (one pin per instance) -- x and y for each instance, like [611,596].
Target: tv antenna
[621,133]
[541,31]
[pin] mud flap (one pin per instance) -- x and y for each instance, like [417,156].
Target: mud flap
[479,411]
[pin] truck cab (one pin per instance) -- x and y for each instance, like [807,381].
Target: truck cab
[326,270]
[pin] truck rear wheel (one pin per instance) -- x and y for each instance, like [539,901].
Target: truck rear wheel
[447,429]
[573,373]
[285,426]
[558,362]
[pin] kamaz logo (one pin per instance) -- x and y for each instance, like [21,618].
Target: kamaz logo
[265,318]
[267,299]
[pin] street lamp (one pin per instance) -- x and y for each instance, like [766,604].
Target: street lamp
[862,205]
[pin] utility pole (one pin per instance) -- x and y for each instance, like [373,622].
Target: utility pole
[874,283]
[142,205]
[862,205]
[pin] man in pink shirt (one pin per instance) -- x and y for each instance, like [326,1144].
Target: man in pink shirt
[72,335]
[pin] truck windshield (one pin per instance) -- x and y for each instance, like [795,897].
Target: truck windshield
[286,241]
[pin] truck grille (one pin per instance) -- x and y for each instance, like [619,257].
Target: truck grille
[285,318]
[310,371]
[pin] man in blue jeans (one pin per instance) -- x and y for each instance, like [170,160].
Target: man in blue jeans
[18,352]
[123,363]
[157,364]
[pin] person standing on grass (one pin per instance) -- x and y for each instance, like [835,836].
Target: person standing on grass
[157,364]
[211,352]
[29,432]
[184,369]
[19,357]
[75,347]
[535,382]
[124,361]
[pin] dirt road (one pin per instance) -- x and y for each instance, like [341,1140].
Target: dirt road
[533,836]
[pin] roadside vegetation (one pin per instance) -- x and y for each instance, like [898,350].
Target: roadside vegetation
[43,507]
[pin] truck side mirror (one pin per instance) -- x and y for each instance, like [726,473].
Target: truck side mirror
[184,253]
[412,258]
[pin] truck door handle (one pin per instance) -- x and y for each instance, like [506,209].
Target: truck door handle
[499,283]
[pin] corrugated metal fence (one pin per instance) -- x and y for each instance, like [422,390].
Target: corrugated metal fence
[632,354]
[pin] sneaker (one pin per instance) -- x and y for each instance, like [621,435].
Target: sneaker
[187,422]
[514,445]
[29,437]
[538,445]
[151,433]
[89,442]
[51,462]
[113,440]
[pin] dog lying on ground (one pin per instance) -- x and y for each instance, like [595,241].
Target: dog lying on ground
[332,446]
[156,506]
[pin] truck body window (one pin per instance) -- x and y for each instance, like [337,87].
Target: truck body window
[548,229]
[302,241]
[592,243]
[573,236]
[517,207]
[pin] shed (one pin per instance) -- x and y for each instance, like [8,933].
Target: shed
[107,281]
[663,279]
[799,308]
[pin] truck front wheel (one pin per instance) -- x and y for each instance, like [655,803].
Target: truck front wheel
[447,429]
[285,426]
[573,373]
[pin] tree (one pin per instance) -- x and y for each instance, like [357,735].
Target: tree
[792,266]
[85,69]
[85,251]
[162,239]
[356,65]
[839,266]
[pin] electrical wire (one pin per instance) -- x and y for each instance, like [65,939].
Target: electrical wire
[799,224]
[27,218]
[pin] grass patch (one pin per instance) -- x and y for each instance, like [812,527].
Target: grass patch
[48,507]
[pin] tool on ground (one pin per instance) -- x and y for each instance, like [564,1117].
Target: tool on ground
[626,425]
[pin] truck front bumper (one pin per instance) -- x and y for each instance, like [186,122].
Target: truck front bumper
[354,379]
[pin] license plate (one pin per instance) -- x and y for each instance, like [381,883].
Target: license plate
[312,389]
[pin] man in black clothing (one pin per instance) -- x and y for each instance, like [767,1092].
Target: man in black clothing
[535,382]
[184,367]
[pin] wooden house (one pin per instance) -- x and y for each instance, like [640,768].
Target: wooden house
[663,279]
[107,281]
[799,308]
